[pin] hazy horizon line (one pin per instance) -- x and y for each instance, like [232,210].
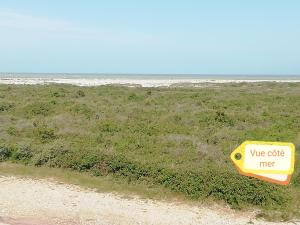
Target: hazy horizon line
[151,74]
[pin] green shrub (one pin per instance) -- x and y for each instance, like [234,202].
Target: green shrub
[149,92]
[108,127]
[82,109]
[210,182]
[39,108]
[5,153]
[86,163]
[22,153]
[58,94]
[136,97]
[80,93]
[6,106]
[45,134]
[222,118]
[132,96]
[52,157]
[12,131]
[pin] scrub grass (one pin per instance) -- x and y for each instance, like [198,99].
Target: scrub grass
[179,139]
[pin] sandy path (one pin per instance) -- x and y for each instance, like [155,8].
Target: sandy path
[36,202]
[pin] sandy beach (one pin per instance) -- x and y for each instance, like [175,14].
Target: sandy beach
[143,82]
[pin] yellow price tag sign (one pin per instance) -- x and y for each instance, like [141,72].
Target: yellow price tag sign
[271,161]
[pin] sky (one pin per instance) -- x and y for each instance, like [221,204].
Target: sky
[151,37]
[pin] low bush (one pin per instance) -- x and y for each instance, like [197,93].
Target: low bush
[82,109]
[80,93]
[45,134]
[22,153]
[12,131]
[52,157]
[6,106]
[210,182]
[5,153]
[224,119]
[58,94]
[39,108]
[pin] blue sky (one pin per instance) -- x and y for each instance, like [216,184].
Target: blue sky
[139,36]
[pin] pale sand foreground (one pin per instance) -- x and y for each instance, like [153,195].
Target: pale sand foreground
[43,202]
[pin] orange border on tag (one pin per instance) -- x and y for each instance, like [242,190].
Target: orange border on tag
[286,182]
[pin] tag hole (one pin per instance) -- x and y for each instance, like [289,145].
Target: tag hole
[238,156]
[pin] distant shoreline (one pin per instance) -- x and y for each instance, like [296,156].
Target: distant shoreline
[143,81]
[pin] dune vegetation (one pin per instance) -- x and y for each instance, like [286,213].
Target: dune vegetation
[176,138]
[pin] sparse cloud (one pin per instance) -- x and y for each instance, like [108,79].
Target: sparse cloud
[25,24]
[13,20]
